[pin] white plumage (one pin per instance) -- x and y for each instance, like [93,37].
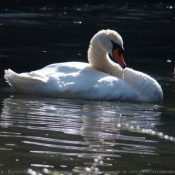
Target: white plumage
[84,81]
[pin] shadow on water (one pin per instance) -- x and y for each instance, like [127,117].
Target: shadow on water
[67,135]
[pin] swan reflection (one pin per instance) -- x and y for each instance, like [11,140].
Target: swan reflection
[77,129]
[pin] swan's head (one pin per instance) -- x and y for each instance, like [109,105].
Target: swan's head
[111,42]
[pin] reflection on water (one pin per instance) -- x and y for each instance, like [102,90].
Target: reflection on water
[68,135]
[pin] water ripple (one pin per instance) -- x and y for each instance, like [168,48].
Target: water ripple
[77,129]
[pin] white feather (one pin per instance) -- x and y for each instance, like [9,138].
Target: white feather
[102,79]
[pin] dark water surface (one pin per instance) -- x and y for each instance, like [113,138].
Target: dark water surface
[68,136]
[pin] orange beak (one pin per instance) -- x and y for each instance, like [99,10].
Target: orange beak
[119,58]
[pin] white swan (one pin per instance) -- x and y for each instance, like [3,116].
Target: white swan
[101,79]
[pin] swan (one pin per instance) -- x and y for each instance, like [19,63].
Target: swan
[100,79]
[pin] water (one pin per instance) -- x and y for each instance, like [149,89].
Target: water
[66,135]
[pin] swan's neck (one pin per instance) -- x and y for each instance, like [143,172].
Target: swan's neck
[100,60]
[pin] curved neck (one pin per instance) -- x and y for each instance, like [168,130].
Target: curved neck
[100,60]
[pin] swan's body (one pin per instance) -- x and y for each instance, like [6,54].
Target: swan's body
[102,79]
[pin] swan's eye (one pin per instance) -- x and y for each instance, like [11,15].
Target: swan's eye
[117,46]
[121,51]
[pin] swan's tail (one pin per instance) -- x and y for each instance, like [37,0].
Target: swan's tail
[25,81]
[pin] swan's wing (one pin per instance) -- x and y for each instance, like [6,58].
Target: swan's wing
[15,79]
[88,83]
[72,80]
[44,80]
[62,68]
